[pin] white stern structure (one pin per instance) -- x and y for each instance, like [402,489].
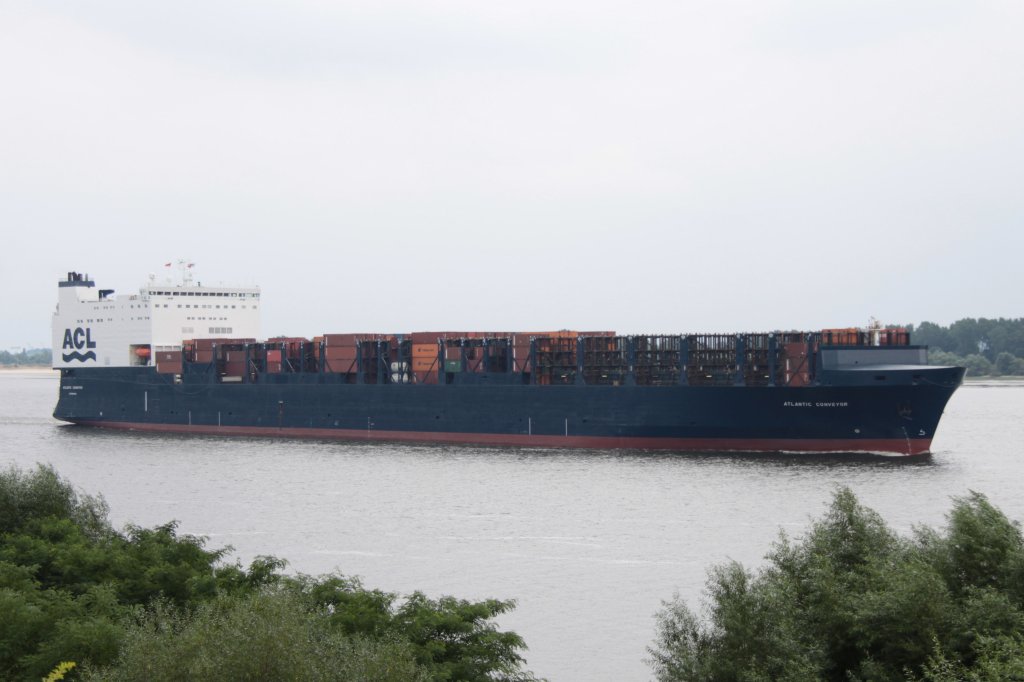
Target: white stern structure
[94,328]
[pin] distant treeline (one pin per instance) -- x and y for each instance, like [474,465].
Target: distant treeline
[986,347]
[29,356]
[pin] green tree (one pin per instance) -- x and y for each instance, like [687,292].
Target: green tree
[451,638]
[853,601]
[932,335]
[977,365]
[148,603]
[268,634]
[456,639]
[940,357]
[33,356]
[1005,363]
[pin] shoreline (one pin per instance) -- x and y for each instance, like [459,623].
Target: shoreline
[26,369]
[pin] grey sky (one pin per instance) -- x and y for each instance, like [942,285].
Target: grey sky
[661,167]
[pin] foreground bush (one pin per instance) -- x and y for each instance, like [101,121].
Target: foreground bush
[854,601]
[150,604]
[265,635]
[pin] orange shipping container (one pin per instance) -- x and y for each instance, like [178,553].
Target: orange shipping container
[424,350]
[424,364]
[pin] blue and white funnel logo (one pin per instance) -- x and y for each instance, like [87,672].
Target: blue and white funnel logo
[75,341]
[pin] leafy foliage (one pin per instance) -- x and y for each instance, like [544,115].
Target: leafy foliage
[985,346]
[854,601]
[148,603]
[261,635]
[28,356]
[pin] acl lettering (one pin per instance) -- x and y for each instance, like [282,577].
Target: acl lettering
[77,340]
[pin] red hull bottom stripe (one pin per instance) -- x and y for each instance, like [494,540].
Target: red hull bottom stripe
[899,446]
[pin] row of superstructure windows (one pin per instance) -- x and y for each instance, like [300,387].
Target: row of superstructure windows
[236,294]
[96,320]
[213,330]
[188,305]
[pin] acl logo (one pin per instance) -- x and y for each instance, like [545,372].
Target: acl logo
[77,340]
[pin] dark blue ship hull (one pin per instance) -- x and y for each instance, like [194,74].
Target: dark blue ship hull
[868,409]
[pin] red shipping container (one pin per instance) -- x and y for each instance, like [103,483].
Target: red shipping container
[288,339]
[351,339]
[795,366]
[432,337]
[235,369]
[168,356]
[343,366]
[340,352]
[423,338]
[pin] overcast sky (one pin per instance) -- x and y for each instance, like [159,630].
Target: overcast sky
[401,166]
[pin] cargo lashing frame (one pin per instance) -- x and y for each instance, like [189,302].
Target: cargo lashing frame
[753,359]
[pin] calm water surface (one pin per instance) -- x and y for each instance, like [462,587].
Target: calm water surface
[587,542]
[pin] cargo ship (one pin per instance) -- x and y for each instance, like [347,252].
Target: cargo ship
[187,358]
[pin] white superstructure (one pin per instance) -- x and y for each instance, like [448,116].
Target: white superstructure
[91,327]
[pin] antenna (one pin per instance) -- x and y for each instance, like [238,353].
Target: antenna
[185,267]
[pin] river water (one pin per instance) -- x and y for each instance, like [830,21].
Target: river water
[588,542]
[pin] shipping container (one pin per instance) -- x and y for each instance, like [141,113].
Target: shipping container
[168,356]
[432,337]
[345,353]
[351,339]
[424,350]
[233,368]
[796,364]
[424,364]
[340,366]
